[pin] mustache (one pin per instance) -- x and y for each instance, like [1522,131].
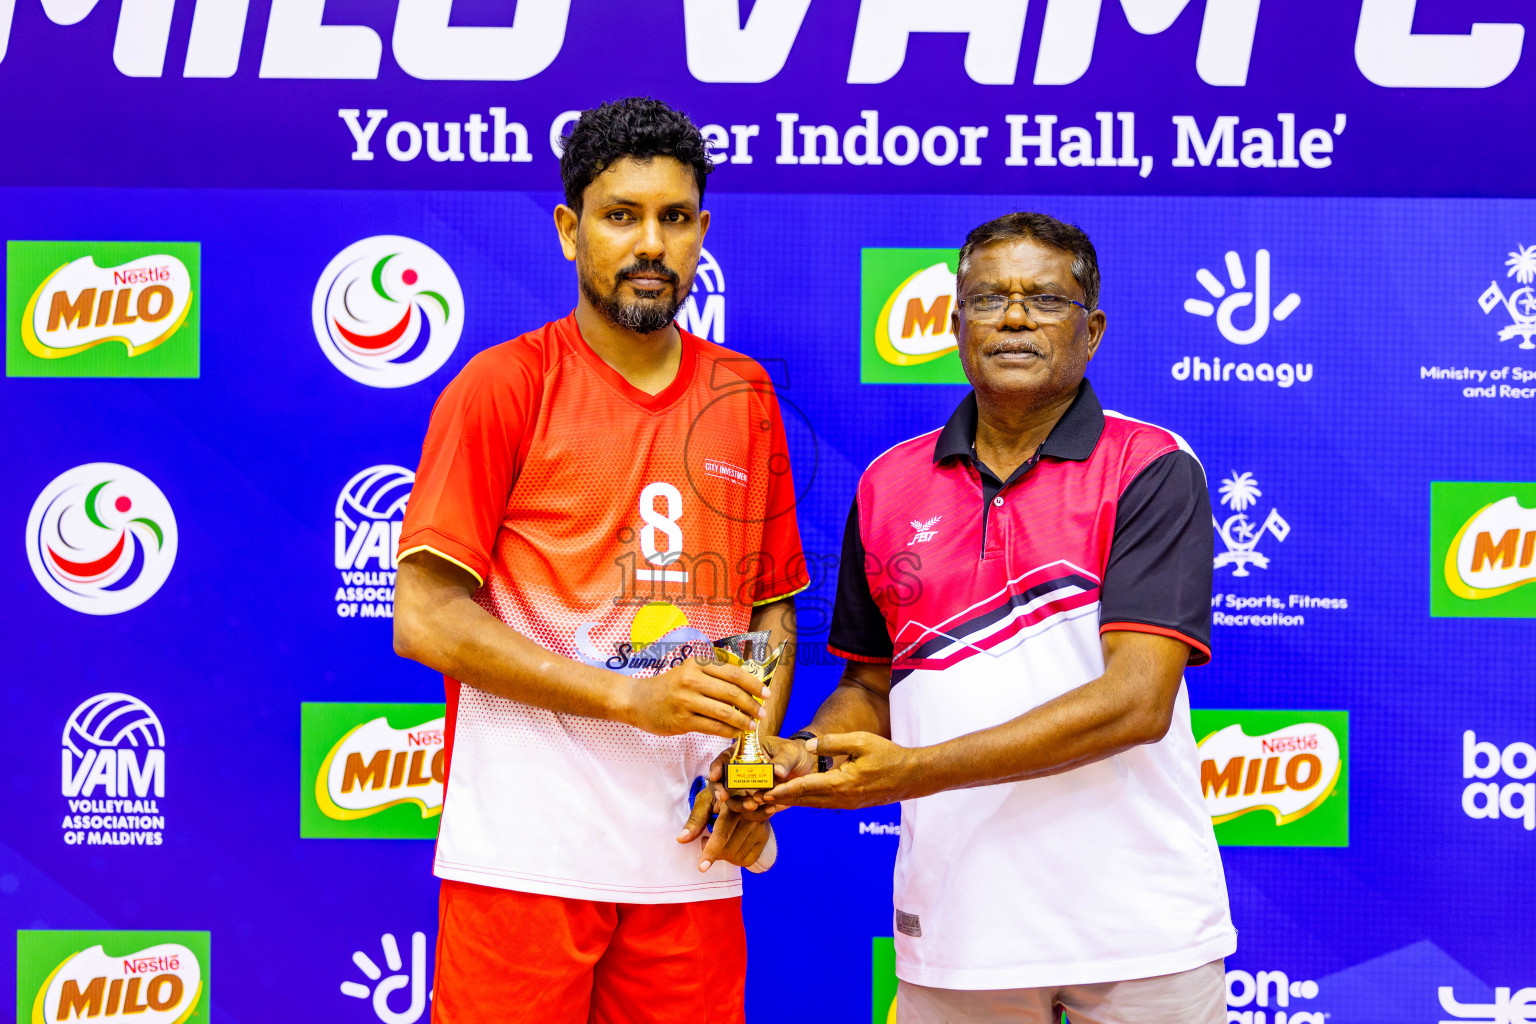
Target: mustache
[1013,343]
[654,268]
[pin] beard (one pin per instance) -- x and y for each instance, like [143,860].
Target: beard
[645,314]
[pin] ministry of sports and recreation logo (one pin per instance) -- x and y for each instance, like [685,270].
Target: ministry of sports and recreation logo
[1250,300]
[1275,778]
[113,773]
[703,313]
[1490,800]
[1239,492]
[147,977]
[907,296]
[371,771]
[379,988]
[388,311]
[102,309]
[1482,550]
[370,513]
[1520,304]
[101,538]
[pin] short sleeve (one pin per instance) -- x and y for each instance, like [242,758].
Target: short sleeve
[1159,575]
[469,463]
[783,559]
[859,631]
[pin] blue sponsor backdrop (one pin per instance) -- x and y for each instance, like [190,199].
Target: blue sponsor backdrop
[252,455]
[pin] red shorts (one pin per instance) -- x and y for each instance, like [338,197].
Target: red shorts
[518,956]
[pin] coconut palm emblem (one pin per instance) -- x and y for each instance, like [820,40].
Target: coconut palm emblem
[1240,492]
[1521,304]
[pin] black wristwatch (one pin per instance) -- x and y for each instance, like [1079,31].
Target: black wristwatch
[823,762]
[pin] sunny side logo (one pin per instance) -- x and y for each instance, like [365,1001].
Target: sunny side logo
[388,311]
[1483,550]
[907,296]
[371,771]
[102,309]
[147,977]
[101,538]
[1275,778]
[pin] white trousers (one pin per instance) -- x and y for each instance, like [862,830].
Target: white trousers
[1190,997]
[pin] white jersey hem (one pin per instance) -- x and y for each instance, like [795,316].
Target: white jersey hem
[1091,973]
[704,889]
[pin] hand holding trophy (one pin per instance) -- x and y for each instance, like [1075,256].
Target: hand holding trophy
[750,769]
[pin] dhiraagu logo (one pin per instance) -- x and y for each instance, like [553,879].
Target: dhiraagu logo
[1275,778]
[102,309]
[907,298]
[147,977]
[371,771]
[1482,550]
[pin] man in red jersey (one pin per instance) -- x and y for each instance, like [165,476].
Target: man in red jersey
[598,500]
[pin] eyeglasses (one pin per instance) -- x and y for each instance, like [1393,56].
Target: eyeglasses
[1045,309]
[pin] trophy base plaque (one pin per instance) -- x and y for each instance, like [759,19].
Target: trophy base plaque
[747,777]
[750,769]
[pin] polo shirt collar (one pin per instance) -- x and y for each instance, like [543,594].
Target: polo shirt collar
[1073,437]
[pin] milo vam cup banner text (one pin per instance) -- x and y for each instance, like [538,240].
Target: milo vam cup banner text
[102,309]
[371,771]
[1275,778]
[1482,554]
[143,977]
[907,296]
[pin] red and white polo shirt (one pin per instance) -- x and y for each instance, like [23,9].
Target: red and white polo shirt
[988,598]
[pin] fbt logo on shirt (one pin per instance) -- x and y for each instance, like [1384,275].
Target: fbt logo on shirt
[145,977]
[1275,778]
[1491,799]
[907,296]
[371,771]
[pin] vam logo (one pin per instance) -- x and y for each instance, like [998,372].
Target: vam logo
[371,771]
[113,773]
[1483,760]
[101,538]
[385,986]
[1275,778]
[388,311]
[1266,989]
[1521,304]
[370,513]
[102,309]
[1483,538]
[907,298]
[147,977]
[707,321]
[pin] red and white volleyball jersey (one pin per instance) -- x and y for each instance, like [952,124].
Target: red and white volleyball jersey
[616,528]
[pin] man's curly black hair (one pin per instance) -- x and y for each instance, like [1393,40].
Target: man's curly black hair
[637,126]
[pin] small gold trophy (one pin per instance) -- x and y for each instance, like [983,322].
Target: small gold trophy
[750,769]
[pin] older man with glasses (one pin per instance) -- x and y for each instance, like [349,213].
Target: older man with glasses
[1025,701]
